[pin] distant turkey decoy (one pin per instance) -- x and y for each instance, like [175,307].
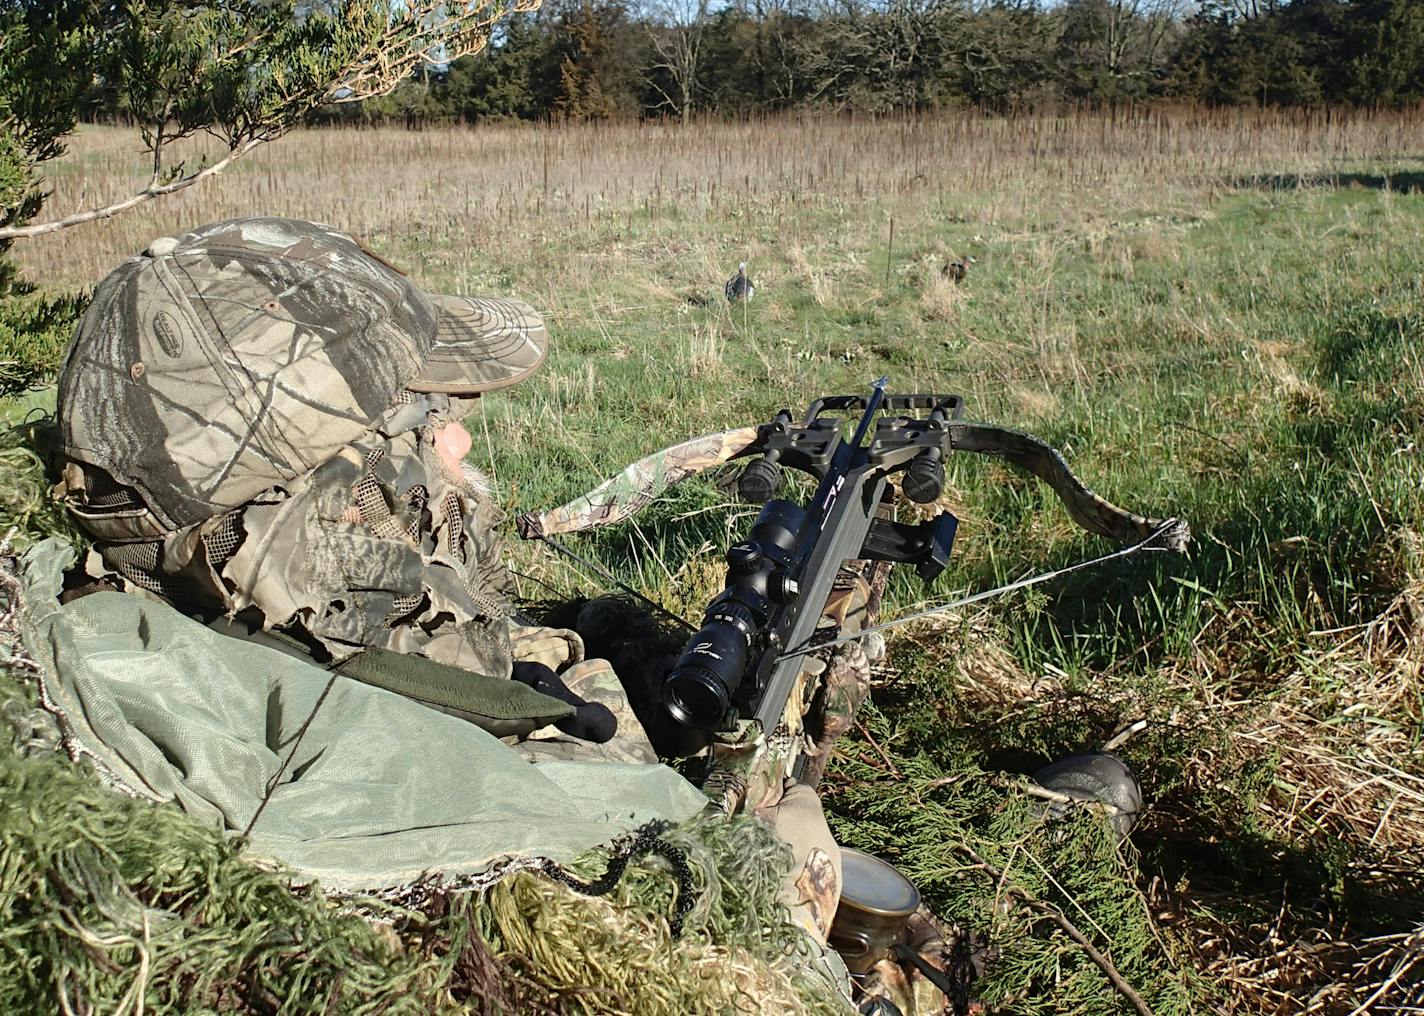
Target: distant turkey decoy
[739,288]
[957,270]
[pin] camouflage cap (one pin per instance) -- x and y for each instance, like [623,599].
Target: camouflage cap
[245,353]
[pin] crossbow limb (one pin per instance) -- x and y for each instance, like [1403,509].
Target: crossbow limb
[643,482]
[1042,460]
[637,486]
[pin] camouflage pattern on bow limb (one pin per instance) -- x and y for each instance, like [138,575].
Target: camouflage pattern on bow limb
[1087,509]
[639,485]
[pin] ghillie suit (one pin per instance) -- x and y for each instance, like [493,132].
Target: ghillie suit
[377,547]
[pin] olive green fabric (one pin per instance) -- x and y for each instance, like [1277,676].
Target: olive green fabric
[497,704]
[380,790]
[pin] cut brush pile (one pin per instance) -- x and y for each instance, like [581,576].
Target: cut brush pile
[1280,858]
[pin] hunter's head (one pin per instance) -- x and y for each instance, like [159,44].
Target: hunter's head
[261,413]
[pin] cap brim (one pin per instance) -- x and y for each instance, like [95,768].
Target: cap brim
[481,344]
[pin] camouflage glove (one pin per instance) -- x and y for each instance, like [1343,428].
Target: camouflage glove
[844,688]
[555,648]
[948,950]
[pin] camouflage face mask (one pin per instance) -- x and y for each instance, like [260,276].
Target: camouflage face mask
[380,546]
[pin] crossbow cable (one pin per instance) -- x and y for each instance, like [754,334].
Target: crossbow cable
[640,484]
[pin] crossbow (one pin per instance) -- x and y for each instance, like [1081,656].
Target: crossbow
[736,680]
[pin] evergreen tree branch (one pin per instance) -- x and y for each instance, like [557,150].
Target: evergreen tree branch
[1070,929]
[153,190]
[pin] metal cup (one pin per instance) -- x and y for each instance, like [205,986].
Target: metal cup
[876,902]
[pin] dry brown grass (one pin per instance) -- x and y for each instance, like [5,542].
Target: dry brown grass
[468,199]
[1271,967]
[1349,772]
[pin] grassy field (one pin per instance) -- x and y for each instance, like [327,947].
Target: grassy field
[1215,316]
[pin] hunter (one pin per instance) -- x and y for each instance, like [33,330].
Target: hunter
[260,423]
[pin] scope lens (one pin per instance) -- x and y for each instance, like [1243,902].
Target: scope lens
[701,683]
[696,697]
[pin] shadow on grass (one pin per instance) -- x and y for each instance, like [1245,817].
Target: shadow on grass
[1260,876]
[1406,183]
[1369,345]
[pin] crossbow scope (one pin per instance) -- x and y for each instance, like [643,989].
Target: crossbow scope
[744,660]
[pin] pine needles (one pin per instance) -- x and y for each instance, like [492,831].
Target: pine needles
[982,855]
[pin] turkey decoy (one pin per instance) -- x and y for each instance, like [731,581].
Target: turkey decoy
[957,270]
[739,288]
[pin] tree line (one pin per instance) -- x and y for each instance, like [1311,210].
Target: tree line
[603,59]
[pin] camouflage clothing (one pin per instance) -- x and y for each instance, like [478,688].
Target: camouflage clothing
[247,427]
[854,604]
[242,355]
[594,681]
[379,547]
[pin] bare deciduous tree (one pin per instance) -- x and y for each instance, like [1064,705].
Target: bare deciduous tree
[676,32]
[1120,42]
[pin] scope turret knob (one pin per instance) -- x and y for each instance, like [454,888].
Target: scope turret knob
[761,479]
[744,558]
[783,588]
